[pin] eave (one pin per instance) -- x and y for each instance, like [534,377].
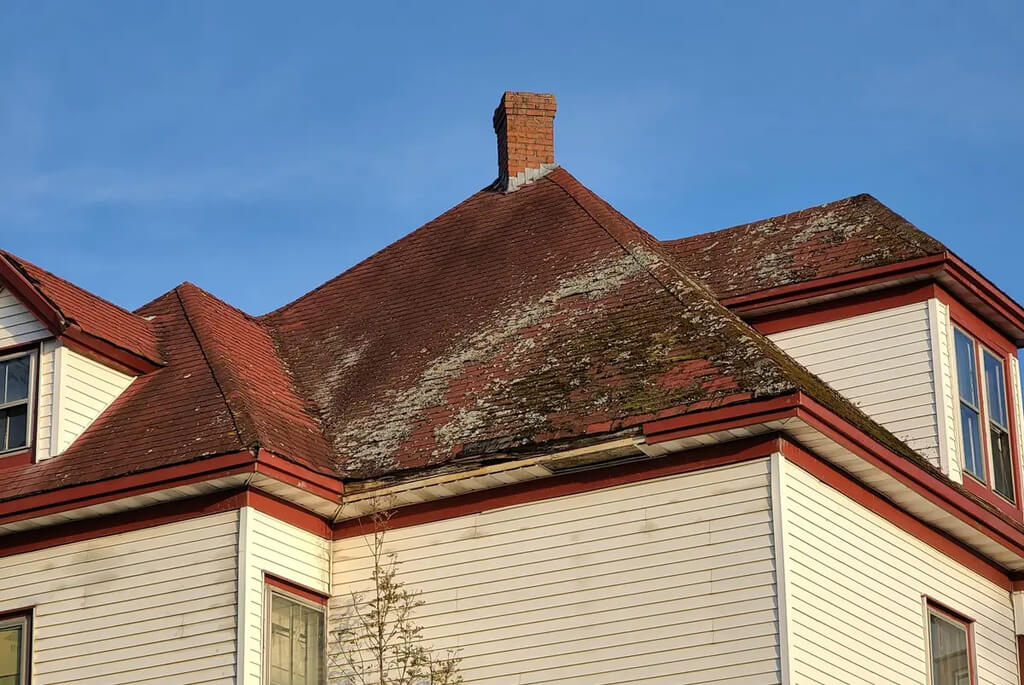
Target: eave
[963,281]
[69,331]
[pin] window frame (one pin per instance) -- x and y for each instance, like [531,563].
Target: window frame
[932,606]
[24,618]
[31,402]
[273,585]
[984,344]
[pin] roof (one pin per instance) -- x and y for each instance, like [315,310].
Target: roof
[839,237]
[94,315]
[512,322]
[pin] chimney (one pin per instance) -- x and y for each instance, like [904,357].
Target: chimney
[525,125]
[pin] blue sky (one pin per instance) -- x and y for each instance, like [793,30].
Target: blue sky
[258,149]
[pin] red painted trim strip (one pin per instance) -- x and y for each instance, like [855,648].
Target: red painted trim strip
[567,484]
[124,486]
[843,483]
[178,510]
[301,476]
[985,290]
[88,529]
[104,353]
[834,310]
[294,589]
[1020,656]
[30,296]
[289,513]
[974,324]
[732,416]
[937,490]
[833,284]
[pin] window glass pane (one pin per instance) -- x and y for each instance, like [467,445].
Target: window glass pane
[970,427]
[297,643]
[13,427]
[966,371]
[17,379]
[10,654]
[995,390]
[1002,463]
[950,665]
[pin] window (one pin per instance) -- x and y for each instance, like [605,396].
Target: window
[950,648]
[970,405]
[984,415]
[15,406]
[296,651]
[14,639]
[998,426]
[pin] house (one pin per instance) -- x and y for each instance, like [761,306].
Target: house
[784,452]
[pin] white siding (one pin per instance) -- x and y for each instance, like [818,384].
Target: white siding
[949,418]
[86,389]
[280,549]
[44,425]
[856,583]
[663,581]
[883,363]
[149,606]
[17,324]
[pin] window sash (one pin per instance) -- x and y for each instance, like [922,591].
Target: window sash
[950,648]
[305,629]
[988,454]
[27,402]
[18,628]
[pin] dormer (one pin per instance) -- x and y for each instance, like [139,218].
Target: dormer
[65,356]
[892,320]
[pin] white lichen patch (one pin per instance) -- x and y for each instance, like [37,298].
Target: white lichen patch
[370,442]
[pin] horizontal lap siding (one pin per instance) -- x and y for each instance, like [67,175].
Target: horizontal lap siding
[281,550]
[87,388]
[17,324]
[855,594]
[149,606]
[664,581]
[883,363]
[44,424]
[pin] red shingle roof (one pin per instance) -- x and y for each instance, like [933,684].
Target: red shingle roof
[513,320]
[839,237]
[96,316]
[510,322]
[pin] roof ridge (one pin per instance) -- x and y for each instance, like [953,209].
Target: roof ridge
[784,215]
[253,441]
[268,410]
[785,364]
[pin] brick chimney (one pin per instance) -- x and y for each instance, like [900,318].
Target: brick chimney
[525,125]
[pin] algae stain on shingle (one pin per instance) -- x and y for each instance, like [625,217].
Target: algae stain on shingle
[370,443]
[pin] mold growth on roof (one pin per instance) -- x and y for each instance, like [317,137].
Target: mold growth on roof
[514,320]
[855,233]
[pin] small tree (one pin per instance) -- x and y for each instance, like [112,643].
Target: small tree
[379,642]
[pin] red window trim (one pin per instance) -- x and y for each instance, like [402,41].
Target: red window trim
[27,455]
[984,488]
[943,610]
[299,591]
[27,613]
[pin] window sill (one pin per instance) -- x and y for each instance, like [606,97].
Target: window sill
[976,487]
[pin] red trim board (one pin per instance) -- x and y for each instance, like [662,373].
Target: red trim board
[566,484]
[291,588]
[159,514]
[843,483]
